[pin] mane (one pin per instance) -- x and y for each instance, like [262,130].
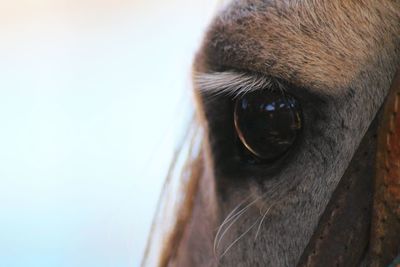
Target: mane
[176,201]
[222,43]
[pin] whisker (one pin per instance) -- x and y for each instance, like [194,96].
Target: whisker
[237,239]
[262,220]
[238,215]
[230,213]
[226,220]
[234,218]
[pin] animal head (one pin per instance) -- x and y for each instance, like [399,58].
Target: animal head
[335,60]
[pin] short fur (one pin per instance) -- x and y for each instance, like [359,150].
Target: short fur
[318,44]
[346,51]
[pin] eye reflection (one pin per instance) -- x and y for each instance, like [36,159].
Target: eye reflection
[267,123]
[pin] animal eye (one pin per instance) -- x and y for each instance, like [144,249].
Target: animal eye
[267,123]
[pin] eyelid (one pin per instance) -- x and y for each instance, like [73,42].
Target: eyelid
[233,83]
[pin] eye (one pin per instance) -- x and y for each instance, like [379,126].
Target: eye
[267,123]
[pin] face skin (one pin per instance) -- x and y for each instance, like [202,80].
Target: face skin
[337,58]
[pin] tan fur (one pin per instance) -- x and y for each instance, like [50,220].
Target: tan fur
[323,45]
[316,44]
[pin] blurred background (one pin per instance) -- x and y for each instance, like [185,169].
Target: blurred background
[94,97]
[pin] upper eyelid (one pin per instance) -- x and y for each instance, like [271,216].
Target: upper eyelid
[233,83]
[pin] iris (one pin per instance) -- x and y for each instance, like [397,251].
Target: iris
[267,123]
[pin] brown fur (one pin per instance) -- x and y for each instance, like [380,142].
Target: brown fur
[323,45]
[312,43]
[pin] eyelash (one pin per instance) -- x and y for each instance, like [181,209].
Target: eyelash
[234,84]
[219,107]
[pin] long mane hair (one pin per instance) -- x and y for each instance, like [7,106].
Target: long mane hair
[177,198]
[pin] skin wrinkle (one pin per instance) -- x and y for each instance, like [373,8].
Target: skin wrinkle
[344,49]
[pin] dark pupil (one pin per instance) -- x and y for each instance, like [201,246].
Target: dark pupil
[267,123]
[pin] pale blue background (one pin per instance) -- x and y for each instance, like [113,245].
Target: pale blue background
[93,99]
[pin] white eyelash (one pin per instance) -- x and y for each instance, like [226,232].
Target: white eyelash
[233,83]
